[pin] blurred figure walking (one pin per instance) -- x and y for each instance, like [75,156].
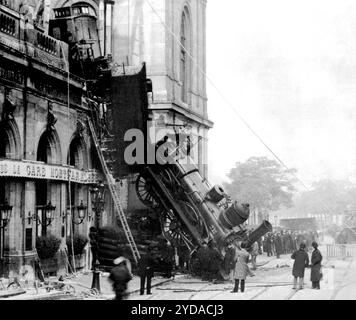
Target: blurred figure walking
[120,276]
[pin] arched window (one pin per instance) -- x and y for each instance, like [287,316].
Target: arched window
[43,186]
[9,140]
[76,158]
[48,151]
[184,58]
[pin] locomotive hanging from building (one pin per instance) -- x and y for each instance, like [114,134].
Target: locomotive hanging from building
[191,211]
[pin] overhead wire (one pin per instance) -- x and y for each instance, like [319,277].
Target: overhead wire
[223,96]
[230,105]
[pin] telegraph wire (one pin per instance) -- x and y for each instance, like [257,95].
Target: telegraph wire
[225,99]
[242,119]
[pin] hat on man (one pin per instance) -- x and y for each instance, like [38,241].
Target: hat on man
[119,260]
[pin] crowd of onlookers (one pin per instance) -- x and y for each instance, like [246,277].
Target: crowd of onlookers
[286,241]
[209,264]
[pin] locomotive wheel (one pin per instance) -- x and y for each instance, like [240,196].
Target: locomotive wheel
[173,230]
[190,212]
[167,179]
[144,191]
[194,217]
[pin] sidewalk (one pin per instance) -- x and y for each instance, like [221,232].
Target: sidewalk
[82,283]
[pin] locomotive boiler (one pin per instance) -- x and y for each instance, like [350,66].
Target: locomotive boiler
[191,210]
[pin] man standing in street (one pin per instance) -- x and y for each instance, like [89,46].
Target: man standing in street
[315,274]
[215,261]
[203,258]
[254,254]
[278,245]
[241,268]
[301,261]
[183,257]
[229,260]
[146,267]
[269,244]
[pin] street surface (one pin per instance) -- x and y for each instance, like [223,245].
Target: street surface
[272,281]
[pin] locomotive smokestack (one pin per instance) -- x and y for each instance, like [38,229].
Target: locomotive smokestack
[258,233]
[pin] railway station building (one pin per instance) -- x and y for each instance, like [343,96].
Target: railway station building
[49,169]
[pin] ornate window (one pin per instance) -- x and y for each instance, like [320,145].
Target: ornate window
[76,158]
[184,56]
[48,151]
[83,8]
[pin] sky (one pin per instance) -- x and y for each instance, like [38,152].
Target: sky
[289,69]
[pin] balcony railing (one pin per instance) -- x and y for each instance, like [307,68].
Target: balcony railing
[5,3]
[31,41]
[46,43]
[8,24]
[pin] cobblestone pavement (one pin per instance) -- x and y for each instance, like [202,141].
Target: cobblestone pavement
[272,281]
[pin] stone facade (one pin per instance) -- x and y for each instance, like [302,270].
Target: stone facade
[39,128]
[141,33]
[43,112]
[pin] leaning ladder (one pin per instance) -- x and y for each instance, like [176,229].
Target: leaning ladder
[114,195]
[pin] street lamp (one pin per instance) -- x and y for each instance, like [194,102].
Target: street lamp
[81,211]
[5,214]
[98,197]
[98,200]
[47,213]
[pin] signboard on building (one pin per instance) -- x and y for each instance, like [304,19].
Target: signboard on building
[38,170]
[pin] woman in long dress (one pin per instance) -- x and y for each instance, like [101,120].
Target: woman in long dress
[241,268]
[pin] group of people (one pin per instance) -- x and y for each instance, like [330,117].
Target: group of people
[301,261]
[206,262]
[286,241]
[210,265]
[154,259]
[236,264]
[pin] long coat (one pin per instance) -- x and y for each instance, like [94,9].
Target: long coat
[203,258]
[214,260]
[241,268]
[278,245]
[229,260]
[254,249]
[315,274]
[269,243]
[146,265]
[301,261]
[120,276]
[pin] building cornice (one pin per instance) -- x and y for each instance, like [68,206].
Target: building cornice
[189,114]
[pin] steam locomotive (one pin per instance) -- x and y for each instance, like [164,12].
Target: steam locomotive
[191,210]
